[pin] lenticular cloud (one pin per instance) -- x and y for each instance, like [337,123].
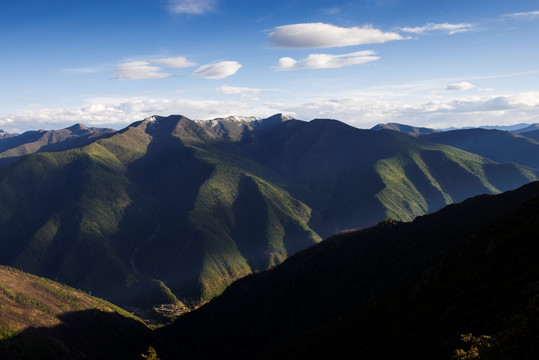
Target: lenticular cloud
[327,61]
[218,70]
[320,35]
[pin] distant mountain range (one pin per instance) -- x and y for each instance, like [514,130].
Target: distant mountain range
[522,127]
[171,210]
[520,146]
[14,146]
[497,145]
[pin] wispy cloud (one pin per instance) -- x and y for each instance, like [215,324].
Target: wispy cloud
[523,15]
[236,90]
[321,35]
[331,10]
[219,70]
[192,7]
[174,62]
[76,71]
[460,86]
[137,70]
[326,61]
[147,69]
[444,27]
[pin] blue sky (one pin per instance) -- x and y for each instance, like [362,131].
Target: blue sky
[427,63]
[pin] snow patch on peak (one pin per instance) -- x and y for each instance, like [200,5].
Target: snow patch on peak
[241,119]
[234,119]
[151,119]
[151,122]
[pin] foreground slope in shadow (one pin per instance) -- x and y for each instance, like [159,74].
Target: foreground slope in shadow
[396,290]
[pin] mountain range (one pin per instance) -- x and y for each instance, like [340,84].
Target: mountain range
[522,127]
[171,210]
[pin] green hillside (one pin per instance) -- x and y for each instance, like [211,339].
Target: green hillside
[358,177]
[145,204]
[396,290]
[41,319]
[172,211]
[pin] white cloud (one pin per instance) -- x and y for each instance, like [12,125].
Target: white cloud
[136,70]
[524,15]
[192,7]
[364,111]
[218,70]
[321,35]
[120,112]
[235,90]
[445,27]
[461,86]
[327,61]
[174,62]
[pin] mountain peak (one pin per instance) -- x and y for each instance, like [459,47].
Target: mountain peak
[274,120]
[78,129]
[406,129]
[78,126]
[279,117]
[4,134]
[529,128]
[161,124]
[233,127]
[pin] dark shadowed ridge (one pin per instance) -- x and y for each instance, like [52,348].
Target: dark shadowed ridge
[396,290]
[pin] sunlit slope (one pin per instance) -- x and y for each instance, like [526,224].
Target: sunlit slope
[427,177]
[357,177]
[40,318]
